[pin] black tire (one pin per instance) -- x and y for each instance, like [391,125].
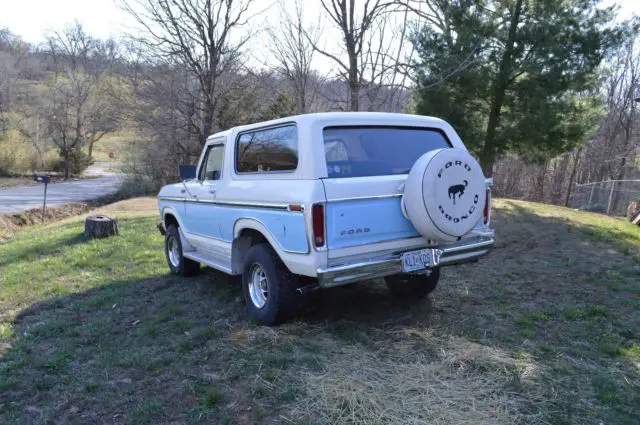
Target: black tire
[281,300]
[181,266]
[412,285]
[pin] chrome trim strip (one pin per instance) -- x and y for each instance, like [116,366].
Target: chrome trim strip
[461,252]
[358,198]
[283,207]
[170,198]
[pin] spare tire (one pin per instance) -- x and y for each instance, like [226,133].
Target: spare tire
[444,194]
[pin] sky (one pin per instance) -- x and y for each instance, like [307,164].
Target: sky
[32,19]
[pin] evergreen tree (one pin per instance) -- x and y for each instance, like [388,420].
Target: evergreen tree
[514,75]
[281,107]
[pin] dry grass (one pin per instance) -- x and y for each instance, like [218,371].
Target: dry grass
[12,223]
[462,383]
[6,182]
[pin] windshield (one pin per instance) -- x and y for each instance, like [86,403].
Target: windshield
[377,151]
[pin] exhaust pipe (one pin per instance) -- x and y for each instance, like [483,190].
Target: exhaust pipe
[303,290]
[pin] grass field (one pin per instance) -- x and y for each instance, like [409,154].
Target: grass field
[546,330]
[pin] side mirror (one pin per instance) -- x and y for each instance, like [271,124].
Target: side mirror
[187,172]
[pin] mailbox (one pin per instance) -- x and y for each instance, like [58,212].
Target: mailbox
[41,178]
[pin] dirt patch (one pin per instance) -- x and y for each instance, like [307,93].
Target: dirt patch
[12,223]
[8,182]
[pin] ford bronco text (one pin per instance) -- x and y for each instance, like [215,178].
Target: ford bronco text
[321,200]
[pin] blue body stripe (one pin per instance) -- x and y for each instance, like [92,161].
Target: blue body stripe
[217,222]
[365,221]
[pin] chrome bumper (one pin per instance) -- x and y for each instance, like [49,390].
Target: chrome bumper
[461,252]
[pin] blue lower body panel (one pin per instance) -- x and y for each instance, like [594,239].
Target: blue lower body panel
[366,221]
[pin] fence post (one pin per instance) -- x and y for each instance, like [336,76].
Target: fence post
[613,185]
[593,186]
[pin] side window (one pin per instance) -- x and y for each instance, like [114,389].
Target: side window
[212,166]
[273,149]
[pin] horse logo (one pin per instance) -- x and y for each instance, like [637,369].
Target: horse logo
[457,189]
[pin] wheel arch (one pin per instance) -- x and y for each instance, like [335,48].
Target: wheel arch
[170,216]
[246,233]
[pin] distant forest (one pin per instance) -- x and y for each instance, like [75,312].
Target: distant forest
[544,94]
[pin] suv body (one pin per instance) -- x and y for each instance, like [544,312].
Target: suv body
[293,187]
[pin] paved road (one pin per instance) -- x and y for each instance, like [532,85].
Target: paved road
[19,199]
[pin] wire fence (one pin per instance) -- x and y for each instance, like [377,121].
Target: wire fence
[610,197]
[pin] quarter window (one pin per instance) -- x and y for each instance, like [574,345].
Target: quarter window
[268,150]
[212,165]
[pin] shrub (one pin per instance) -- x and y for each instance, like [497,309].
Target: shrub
[137,185]
[14,154]
[78,162]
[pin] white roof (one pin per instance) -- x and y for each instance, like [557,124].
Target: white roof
[345,118]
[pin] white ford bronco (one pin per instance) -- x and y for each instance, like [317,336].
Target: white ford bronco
[321,200]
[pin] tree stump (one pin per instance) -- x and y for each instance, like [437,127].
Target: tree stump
[100,226]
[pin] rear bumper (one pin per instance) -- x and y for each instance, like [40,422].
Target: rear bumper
[465,251]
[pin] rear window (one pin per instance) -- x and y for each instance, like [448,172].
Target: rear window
[377,151]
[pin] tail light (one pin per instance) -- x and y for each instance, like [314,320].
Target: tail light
[317,217]
[487,207]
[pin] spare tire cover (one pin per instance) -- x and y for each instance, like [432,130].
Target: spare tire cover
[444,194]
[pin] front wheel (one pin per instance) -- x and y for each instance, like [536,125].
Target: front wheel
[268,286]
[412,285]
[173,251]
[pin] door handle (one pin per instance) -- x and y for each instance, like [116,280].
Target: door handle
[212,192]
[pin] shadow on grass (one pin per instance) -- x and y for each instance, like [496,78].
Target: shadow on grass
[42,249]
[110,351]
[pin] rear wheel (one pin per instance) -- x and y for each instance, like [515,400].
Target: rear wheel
[173,251]
[411,285]
[268,286]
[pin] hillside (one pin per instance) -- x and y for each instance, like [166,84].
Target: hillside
[544,330]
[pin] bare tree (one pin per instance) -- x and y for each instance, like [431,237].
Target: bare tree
[619,128]
[292,48]
[199,36]
[354,27]
[77,111]
[384,81]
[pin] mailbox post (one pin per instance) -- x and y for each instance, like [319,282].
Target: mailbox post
[42,178]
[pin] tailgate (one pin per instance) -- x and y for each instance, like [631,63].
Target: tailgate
[365,210]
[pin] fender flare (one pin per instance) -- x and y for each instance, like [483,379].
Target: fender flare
[170,210]
[253,224]
[185,242]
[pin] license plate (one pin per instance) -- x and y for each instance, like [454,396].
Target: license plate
[416,260]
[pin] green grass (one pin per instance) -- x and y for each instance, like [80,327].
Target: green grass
[544,330]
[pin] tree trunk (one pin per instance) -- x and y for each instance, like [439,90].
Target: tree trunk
[489,151]
[66,165]
[354,92]
[576,161]
[100,226]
